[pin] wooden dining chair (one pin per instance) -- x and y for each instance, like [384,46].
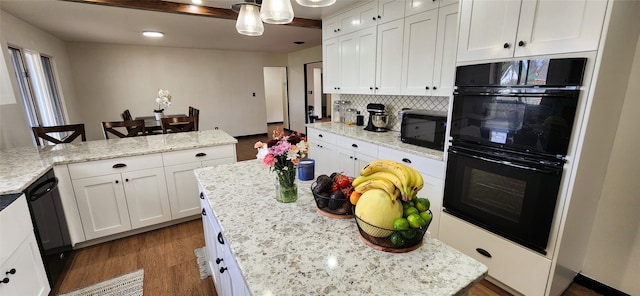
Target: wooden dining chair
[126,115]
[195,113]
[133,128]
[67,133]
[178,124]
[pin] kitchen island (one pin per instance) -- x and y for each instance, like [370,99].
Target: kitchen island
[290,249]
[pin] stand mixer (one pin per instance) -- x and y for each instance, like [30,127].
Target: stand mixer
[377,118]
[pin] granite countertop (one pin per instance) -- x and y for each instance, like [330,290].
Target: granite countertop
[390,139]
[20,166]
[290,249]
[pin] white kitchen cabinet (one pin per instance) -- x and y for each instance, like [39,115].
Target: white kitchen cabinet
[331,65]
[361,17]
[226,274]
[354,154]
[117,195]
[418,6]
[517,267]
[390,10]
[20,261]
[388,66]
[357,61]
[432,172]
[323,150]
[505,29]
[182,185]
[444,70]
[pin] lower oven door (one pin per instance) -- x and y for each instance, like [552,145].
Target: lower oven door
[511,199]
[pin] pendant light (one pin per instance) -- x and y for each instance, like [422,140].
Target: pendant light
[277,12]
[316,3]
[249,22]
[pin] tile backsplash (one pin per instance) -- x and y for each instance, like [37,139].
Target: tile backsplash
[393,104]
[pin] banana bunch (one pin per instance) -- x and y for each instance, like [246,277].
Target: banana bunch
[397,179]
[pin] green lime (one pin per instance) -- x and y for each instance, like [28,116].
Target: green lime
[409,233]
[397,239]
[410,210]
[426,217]
[400,224]
[415,221]
[422,204]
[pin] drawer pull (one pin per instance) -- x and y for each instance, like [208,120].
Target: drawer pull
[204,213]
[119,165]
[222,269]
[354,145]
[406,160]
[201,195]
[483,252]
[201,154]
[220,239]
[218,260]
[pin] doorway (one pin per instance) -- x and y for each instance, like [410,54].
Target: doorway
[276,95]
[315,100]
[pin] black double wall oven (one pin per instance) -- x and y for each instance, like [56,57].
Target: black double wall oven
[510,130]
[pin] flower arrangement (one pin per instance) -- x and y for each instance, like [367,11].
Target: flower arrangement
[282,155]
[163,100]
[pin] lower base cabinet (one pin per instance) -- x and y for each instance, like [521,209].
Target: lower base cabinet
[223,268]
[517,267]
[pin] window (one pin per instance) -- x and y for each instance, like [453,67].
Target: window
[38,89]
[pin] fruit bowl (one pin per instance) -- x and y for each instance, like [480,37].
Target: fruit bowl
[333,208]
[391,240]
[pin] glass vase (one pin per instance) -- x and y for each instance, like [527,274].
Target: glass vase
[286,192]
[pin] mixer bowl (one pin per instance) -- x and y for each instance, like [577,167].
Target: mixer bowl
[379,120]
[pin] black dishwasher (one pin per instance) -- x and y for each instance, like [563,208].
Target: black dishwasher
[49,224]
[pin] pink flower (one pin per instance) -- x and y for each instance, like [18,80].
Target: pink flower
[259,145]
[269,160]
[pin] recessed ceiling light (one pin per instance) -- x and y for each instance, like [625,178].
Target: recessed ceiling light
[298,42]
[196,2]
[152,34]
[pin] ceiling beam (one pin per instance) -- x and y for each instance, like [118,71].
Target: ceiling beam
[183,8]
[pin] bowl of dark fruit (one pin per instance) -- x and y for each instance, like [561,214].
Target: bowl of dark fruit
[331,194]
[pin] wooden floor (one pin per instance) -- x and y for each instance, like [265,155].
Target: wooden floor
[169,264]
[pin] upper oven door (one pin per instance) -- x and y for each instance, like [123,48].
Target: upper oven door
[531,120]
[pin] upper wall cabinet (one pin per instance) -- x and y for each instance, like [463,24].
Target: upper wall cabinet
[418,6]
[390,10]
[505,29]
[358,18]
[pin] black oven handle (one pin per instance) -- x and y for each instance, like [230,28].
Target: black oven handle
[512,93]
[507,163]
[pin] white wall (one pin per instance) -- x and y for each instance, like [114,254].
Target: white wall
[275,93]
[297,108]
[112,78]
[613,255]
[14,127]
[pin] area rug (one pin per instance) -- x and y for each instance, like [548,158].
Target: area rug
[202,262]
[129,284]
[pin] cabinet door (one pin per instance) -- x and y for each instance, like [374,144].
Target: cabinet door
[359,18]
[346,162]
[390,10]
[331,65]
[418,6]
[548,27]
[102,205]
[147,198]
[433,190]
[349,59]
[29,277]
[325,156]
[211,230]
[182,187]
[361,161]
[331,27]
[419,50]
[487,29]
[357,62]
[445,60]
[389,58]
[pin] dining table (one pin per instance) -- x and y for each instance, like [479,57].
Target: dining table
[153,125]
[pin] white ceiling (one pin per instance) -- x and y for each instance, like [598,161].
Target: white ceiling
[80,22]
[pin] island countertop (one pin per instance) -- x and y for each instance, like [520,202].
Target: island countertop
[20,166]
[390,139]
[290,249]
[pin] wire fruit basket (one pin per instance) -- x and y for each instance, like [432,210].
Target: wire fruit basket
[391,240]
[331,207]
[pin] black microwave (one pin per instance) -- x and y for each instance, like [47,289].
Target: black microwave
[424,128]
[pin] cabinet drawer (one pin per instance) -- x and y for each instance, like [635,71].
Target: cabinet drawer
[357,146]
[321,136]
[423,164]
[511,264]
[198,154]
[111,166]
[17,216]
